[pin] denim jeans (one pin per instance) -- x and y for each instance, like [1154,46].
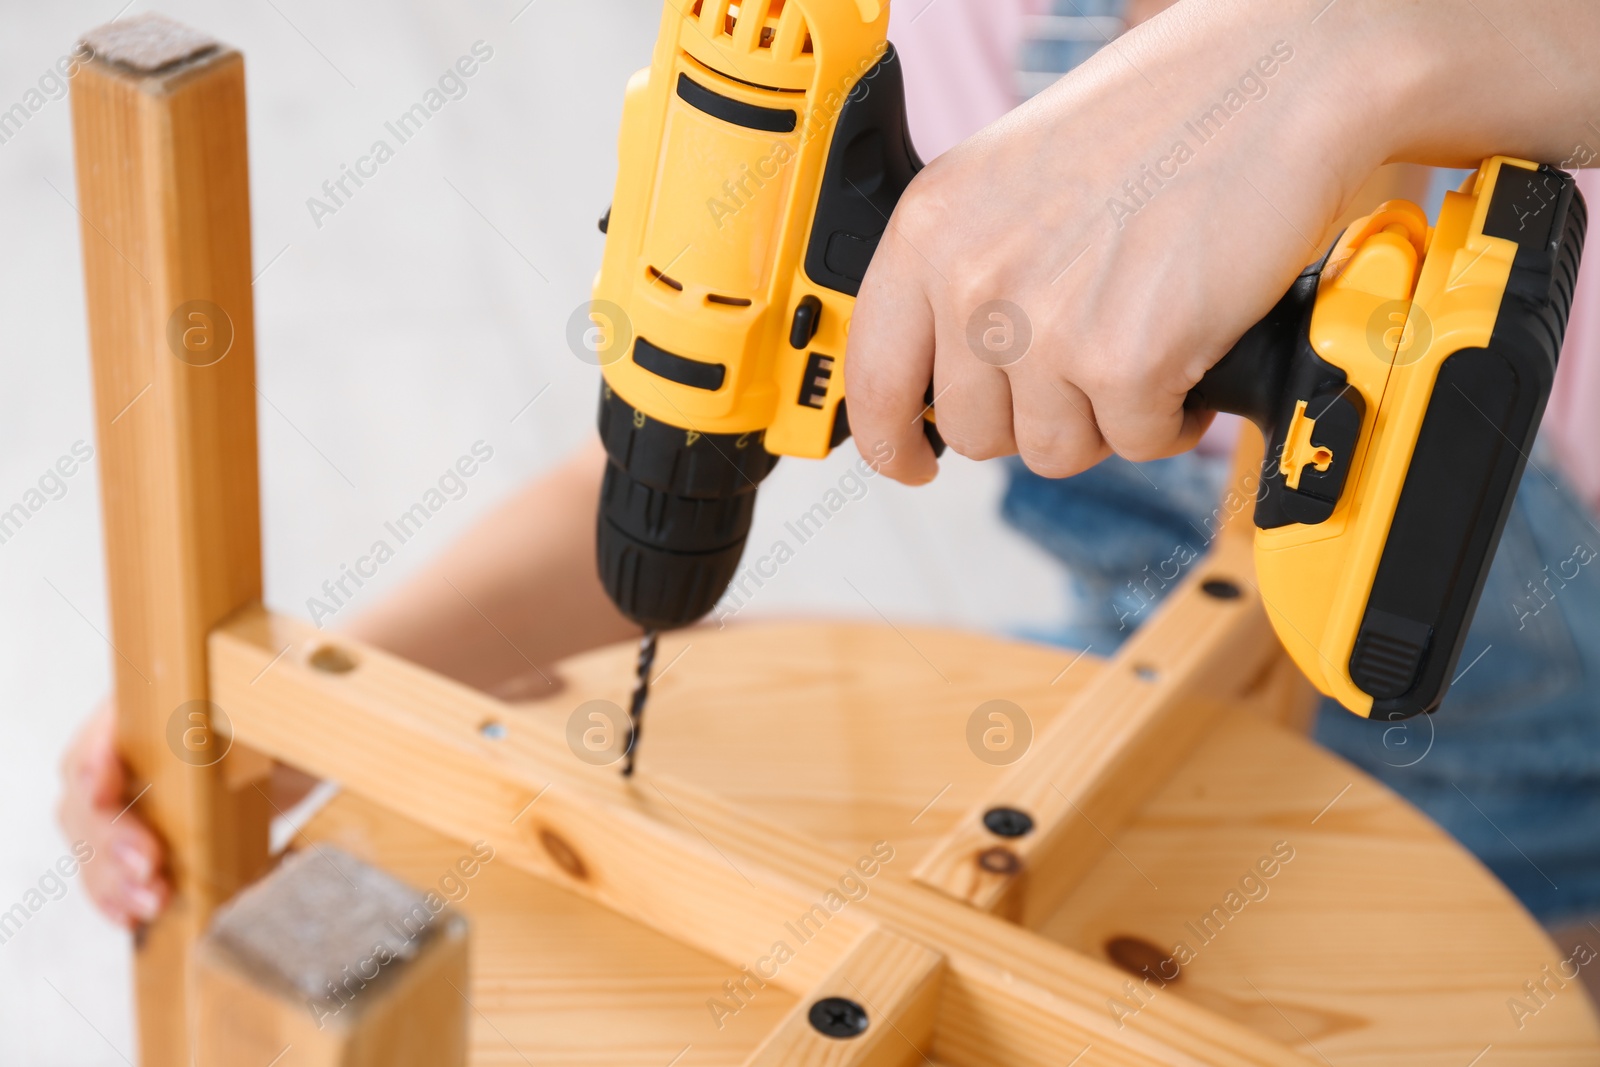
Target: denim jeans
[1510,764]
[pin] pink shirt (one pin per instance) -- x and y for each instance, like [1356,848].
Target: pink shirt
[960,60]
[1573,422]
[959,57]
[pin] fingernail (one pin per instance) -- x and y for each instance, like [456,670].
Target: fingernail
[145,901]
[133,861]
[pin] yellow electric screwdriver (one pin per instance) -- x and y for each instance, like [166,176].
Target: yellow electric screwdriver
[1399,383]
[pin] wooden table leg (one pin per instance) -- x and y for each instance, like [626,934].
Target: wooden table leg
[159,134]
[329,962]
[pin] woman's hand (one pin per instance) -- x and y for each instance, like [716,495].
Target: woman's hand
[124,875]
[1068,275]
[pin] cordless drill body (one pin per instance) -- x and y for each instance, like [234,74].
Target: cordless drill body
[1399,384]
[761,155]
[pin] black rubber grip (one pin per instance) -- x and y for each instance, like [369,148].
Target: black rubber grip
[1262,378]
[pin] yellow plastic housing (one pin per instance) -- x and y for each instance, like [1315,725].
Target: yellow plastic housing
[1396,300]
[710,223]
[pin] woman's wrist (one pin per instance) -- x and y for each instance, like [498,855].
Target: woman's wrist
[1455,84]
[1425,81]
[1310,98]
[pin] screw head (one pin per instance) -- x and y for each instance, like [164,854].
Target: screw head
[838,1017]
[1008,822]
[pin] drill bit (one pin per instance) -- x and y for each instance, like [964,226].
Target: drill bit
[641,693]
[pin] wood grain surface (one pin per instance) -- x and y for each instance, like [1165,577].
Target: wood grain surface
[1379,942]
[163,191]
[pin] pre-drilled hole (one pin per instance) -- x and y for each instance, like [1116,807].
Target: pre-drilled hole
[563,855]
[494,730]
[1221,589]
[1146,673]
[1140,958]
[332,659]
[999,860]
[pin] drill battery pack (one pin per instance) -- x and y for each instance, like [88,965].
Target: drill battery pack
[1400,385]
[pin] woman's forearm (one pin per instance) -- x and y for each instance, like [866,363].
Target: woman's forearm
[1141,214]
[517,592]
[1454,81]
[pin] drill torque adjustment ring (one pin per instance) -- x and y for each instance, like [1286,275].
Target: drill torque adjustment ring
[675,510]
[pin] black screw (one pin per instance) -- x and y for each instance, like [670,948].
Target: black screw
[1221,588]
[838,1017]
[1008,822]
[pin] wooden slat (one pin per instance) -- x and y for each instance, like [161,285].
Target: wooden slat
[1114,745]
[674,858]
[1207,648]
[163,191]
[895,980]
[1383,941]
[414,741]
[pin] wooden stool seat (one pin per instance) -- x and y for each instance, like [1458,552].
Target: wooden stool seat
[1380,942]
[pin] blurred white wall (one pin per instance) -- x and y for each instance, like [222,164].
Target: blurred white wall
[418,319]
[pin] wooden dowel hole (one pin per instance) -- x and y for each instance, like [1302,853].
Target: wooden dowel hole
[331,659]
[563,855]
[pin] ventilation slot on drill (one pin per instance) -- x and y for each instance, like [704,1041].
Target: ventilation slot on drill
[670,283]
[727,301]
[769,27]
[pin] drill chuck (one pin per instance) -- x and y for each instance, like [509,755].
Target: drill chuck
[675,510]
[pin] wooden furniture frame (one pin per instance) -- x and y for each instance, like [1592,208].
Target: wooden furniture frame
[943,957]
